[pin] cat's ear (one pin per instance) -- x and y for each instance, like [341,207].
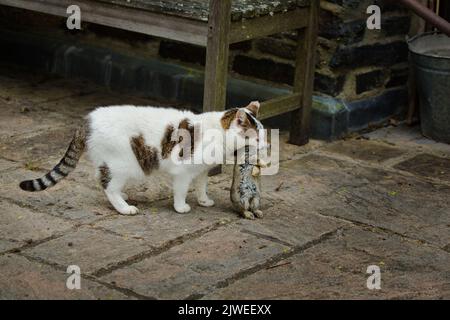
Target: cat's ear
[253,107]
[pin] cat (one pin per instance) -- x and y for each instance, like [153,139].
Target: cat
[129,143]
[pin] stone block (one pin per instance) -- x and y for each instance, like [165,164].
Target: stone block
[20,226]
[22,279]
[88,248]
[337,269]
[195,267]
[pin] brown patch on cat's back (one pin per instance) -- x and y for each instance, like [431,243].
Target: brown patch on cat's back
[146,156]
[173,136]
[228,117]
[167,144]
[187,125]
[105,175]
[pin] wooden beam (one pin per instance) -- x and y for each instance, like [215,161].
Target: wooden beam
[280,105]
[268,25]
[304,78]
[217,51]
[160,25]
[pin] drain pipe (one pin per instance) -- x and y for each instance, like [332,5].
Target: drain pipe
[427,14]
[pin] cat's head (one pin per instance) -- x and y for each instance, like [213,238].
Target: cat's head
[243,127]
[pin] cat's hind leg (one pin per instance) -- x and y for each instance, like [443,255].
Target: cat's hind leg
[113,185]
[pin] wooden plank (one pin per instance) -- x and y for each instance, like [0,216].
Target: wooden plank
[304,78]
[160,25]
[217,52]
[199,9]
[267,25]
[280,105]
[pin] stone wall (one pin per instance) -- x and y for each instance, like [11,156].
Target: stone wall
[353,62]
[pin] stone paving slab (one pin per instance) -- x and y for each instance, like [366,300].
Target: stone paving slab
[6,165]
[192,268]
[294,228]
[160,225]
[395,134]
[37,148]
[408,137]
[379,198]
[18,120]
[373,151]
[80,106]
[427,165]
[20,226]
[88,248]
[11,81]
[290,151]
[49,89]
[336,269]
[21,278]
[14,76]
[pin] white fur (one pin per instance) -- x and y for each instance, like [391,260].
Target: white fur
[111,129]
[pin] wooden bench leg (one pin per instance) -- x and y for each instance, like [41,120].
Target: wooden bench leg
[217,53]
[304,78]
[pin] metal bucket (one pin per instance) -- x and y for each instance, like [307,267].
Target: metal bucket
[430,53]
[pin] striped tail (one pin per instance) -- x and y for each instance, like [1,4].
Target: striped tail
[63,168]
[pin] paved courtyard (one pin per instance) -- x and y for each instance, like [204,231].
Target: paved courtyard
[382,198]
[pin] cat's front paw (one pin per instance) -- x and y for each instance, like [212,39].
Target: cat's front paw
[206,202]
[182,208]
[129,211]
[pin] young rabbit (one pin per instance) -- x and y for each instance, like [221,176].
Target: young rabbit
[245,190]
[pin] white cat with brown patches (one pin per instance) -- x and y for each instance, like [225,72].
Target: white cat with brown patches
[129,143]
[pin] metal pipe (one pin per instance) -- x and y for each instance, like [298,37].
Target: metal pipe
[427,14]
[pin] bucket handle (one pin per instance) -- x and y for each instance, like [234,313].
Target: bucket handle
[423,34]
